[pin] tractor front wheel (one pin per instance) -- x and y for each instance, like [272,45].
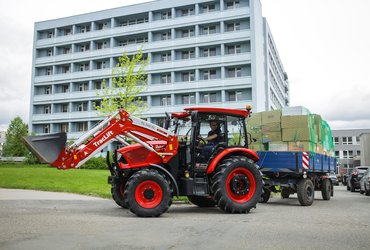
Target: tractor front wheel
[117,191]
[147,193]
[237,185]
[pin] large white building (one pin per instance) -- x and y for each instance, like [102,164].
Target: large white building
[202,53]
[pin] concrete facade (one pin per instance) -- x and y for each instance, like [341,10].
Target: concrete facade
[202,53]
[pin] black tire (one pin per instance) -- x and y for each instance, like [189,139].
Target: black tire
[236,185]
[306,192]
[326,189]
[117,191]
[353,189]
[147,193]
[265,196]
[367,191]
[285,193]
[202,201]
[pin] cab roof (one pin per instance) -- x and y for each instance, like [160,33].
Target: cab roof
[225,111]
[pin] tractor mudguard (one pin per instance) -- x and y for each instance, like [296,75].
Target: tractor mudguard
[241,151]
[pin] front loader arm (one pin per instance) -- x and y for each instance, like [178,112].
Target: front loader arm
[109,130]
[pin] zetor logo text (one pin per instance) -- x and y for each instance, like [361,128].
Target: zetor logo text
[103,139]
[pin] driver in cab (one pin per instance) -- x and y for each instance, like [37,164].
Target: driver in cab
[212,139]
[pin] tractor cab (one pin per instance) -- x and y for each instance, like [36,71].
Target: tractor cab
[204,133]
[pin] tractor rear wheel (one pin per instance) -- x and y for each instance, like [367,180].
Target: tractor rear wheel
[237,185]
[117,191]
[147,193]
[202,201]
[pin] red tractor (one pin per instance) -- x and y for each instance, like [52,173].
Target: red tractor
[213,168]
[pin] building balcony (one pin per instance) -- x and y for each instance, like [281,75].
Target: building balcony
[64,117]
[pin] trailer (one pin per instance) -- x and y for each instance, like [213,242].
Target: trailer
[296,172]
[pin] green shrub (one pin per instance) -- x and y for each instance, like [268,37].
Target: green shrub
[95,163]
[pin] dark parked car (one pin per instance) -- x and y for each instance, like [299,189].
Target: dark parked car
[365,183]
[333,179]
[353,182]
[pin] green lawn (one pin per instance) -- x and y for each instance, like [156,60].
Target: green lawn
[41,177]
[46,178]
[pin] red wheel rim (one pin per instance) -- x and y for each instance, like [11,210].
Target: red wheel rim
[148,194]
[240,185]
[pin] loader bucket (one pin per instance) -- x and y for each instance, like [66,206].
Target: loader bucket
[46,147]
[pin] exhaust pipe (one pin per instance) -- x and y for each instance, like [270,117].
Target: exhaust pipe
[46,147]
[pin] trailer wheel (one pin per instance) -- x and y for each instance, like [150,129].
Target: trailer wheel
[265,196]
[237,185]
[367,191]
[147,193]
[326,189]
[117,191]
[306,192]
[202,201]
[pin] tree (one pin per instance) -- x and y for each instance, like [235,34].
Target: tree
[14,145]
[129,79]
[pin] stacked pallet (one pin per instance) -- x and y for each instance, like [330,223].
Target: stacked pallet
[290,129]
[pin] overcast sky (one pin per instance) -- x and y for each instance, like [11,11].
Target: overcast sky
[324,46]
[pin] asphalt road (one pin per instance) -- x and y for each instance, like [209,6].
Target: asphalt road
[43,220]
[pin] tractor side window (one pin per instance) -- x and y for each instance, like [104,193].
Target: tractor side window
[236,133]
[183,130]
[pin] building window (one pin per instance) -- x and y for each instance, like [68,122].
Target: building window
[234,72]
[101,45]
[232,4]
[233,26]
[166,57]
[347,140]
[65,107]
[337,154]
[82,106]
[65,69]
[188,76]
[235,96]
[67,32]
[47,90]
[81,126]
[358,152]
[357,140]
[166,78]
[84,47]
[98,85]
[50,34]
[47,109]
[187,33]
[50,52]
[209,98]
[209,30]
[208,8]
[188,99]
[65,88]
[209,52]
[188,54]
[336,140]
[187,12]
[233,49]
[66,50]
[350,154]
[64,127]
[166,15]
[165,100]
[102,26]
[166,36]
[209,74]
[345,154]
[85,29]
[100,65]
[49,71]
[83,86]
[46,129]
[84,67]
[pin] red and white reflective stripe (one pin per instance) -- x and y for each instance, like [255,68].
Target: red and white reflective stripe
[305,160]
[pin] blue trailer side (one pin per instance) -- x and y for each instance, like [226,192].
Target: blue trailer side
[296,172]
